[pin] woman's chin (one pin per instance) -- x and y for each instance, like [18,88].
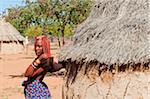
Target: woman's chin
[38,54]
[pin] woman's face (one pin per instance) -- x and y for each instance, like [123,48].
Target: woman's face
[38,48]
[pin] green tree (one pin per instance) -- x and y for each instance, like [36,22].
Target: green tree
[56,17]
[32,31]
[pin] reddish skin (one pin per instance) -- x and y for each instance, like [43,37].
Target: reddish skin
[40,72]
[38,48]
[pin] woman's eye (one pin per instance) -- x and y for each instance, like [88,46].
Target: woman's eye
[39,46]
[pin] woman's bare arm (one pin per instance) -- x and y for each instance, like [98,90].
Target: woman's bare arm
[29,71]
[38,72]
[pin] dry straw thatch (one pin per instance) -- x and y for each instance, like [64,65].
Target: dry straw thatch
[109,49]
[10,39]
[9,33]
[116,32]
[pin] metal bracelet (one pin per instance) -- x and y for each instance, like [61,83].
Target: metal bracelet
[34,66]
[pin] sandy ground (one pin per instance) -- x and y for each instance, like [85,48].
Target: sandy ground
[11,69]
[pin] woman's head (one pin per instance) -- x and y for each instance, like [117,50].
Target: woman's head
[42,45]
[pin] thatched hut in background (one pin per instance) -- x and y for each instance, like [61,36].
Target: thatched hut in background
[11,42]
[109,56]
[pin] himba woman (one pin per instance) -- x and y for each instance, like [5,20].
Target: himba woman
[35,88]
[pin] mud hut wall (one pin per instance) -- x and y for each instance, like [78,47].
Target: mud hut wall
[88,84]
[11,48]
[77,70]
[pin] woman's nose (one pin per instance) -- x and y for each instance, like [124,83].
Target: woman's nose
[37,48]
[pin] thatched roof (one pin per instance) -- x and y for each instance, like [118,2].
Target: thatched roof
[9,33]
[116,31]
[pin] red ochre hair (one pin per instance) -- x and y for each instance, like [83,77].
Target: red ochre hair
[45,44]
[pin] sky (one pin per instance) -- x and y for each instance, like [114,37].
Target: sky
[4,4]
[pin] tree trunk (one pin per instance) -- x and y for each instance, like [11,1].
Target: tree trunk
[58,41]
[63,40]
[63,34]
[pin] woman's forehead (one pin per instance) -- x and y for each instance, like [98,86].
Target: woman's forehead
[38,42]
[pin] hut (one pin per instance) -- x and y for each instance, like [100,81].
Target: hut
[11,41]
[109,56]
